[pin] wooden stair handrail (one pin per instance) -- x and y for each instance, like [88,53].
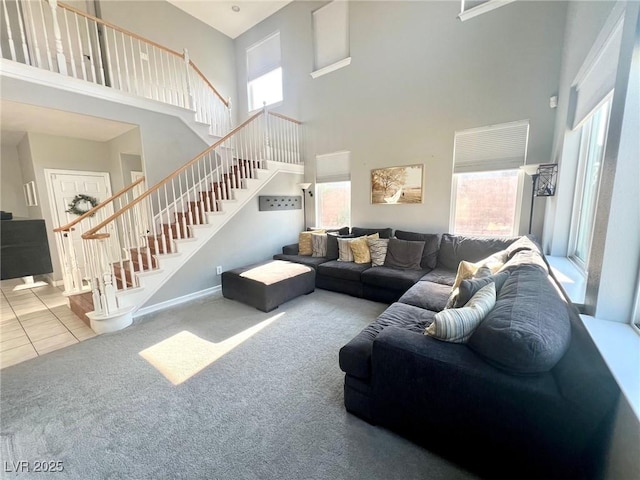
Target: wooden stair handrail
[119,29]
[91,233]
[146,40]
[89,213]
[205,80]
[284,117]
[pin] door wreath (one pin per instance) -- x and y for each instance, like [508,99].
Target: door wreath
[80,204]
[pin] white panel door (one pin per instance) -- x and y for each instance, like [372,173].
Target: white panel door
[64,185]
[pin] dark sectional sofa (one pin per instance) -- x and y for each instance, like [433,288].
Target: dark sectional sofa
[527,396]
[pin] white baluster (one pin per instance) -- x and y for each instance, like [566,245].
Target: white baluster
[81,58]
[92,61]
[133,65]
[45,31]
[25,49]
[73,60]
[12,48]
[34,38]
[99,51]
[187,71]
[126,63]
[60,58]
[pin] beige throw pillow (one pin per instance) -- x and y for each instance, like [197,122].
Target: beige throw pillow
[305,247]
[360,250]
[345,254]
[319,244]
[457,324]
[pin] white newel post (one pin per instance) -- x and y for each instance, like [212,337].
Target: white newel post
[108,294]
[60,58]
[267,133]
[187,67]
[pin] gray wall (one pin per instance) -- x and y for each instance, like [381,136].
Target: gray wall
[122,150]
[250,236]
[163,23]
[49,151]
[417,75]
[11,193]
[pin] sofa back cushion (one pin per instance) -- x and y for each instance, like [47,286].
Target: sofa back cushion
[528,331]
[456,248]
[431,241]
[361,232]
[404,254]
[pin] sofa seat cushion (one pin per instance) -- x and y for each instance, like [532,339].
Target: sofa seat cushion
[528,331]
[307,260]
[429,295]
[392,278]
[441,275]
[355,356]
[343,270]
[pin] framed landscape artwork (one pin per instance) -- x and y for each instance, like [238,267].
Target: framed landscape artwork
[396,185]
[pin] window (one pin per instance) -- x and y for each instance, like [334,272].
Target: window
[333,190]
[592,145]
[264,73]
[333,204]
[486,203]
[487,180]
[331,37]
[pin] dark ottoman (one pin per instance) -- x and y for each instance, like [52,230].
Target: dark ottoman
[267,285]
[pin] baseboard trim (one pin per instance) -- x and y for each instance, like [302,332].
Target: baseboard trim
[177,301]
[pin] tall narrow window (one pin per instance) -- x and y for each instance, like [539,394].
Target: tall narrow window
[331,37]
[487,182]
[333,190]
[592,145]
[264,73]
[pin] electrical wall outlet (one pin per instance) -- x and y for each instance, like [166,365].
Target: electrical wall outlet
[219,270]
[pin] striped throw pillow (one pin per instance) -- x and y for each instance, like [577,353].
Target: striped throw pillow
[378,251]
[457,324]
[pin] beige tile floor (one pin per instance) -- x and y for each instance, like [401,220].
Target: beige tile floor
[36,321]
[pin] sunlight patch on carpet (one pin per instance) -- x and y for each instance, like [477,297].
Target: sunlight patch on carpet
[184,354]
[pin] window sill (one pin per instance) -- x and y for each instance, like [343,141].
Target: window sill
[331,68]
[570,277]
[619,345]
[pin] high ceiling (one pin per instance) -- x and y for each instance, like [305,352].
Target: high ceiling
[220,15]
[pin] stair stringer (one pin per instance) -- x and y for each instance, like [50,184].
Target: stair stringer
[168,264]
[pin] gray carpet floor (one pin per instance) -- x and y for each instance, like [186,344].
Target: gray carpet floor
[269,408]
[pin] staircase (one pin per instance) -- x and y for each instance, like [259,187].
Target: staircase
[118,254]
[130,254]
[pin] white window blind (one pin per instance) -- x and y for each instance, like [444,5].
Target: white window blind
[331,33]
[497,147]
[598,76]
[333,167]
[263,57]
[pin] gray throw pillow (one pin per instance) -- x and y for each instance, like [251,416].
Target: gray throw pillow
[431,243]
[468,288]
[404,254]
[319,245]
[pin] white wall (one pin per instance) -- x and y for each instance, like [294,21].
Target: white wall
[251,236]
[417,75]
[11,194]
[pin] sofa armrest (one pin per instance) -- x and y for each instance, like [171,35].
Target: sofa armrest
[290,249]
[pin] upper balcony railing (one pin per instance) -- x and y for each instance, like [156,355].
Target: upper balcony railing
[60,38]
